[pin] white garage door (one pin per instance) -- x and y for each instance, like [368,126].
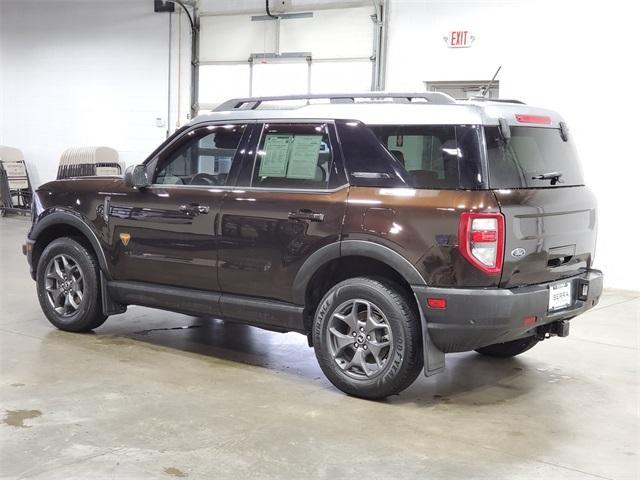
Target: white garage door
[235,61]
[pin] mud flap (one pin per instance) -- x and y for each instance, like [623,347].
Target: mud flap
[109,306]
[433,356]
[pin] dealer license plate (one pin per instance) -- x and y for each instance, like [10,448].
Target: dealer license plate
[559,295]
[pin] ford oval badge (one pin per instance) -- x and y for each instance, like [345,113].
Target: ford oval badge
[518,252]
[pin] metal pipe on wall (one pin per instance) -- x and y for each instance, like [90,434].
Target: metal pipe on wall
[384,36]
[377,23]
[169,75]
[378,80]
[194,23]
[195,69]
[344,4]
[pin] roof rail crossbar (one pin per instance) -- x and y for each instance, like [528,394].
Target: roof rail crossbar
[478,98]
[252,103]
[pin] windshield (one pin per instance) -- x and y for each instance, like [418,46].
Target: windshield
[534,157]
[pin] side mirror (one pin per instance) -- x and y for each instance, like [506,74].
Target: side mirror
[136,176]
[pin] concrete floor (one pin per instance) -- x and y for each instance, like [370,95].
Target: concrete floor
[158,395]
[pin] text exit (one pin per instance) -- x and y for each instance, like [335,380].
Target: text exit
[459,39]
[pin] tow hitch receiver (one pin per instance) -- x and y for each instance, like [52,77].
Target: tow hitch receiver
[559,328]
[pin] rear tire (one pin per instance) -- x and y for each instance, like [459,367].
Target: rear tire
[68,286]
[367,338]
[508,349]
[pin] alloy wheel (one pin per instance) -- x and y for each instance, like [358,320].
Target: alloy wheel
[360,338]
[64,284]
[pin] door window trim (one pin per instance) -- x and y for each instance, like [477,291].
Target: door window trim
[336,158]
[240,189]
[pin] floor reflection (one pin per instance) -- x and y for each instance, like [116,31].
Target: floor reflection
[469,378]
[231,341]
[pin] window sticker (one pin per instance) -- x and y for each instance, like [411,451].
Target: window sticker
[276,155]
[304,155]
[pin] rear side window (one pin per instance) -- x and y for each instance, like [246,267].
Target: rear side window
[530,153]
[293,156]
[368,163]
[442,157]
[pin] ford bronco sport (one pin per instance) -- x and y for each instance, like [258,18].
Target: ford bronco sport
[388,228]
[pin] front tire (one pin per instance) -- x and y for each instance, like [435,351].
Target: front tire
[69,286]
[509,349]
[367,338]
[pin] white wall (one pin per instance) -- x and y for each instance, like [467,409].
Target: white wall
[78,73]
[575,57]
[90,72]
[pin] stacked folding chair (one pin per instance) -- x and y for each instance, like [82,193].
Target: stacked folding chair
[15,186]
[88,162]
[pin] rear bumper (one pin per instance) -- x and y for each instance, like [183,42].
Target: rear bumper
[476,318]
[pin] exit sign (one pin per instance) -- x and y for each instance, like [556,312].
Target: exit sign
[459,39]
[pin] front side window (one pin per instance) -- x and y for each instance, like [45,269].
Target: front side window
[204,157]
[293,156]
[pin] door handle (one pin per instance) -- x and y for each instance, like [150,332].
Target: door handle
[194,208]
[306,215]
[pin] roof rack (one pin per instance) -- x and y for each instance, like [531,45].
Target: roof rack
[252,103]
[479,98]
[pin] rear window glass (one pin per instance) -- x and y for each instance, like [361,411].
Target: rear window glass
[530,153]
[441,157]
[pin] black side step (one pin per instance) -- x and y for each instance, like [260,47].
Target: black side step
[271,314]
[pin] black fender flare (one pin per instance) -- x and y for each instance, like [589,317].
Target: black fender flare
[73,219]
[345,248]
[433,357]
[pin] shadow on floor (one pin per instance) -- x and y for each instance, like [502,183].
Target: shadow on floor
[469,378]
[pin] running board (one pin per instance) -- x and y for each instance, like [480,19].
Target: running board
[270,314]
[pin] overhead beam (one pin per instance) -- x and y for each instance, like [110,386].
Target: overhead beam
[305,7]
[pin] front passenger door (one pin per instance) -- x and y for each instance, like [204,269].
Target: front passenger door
[169,227]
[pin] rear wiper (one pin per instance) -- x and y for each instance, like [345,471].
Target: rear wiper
[553,176]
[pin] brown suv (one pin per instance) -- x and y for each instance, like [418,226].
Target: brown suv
[388,228]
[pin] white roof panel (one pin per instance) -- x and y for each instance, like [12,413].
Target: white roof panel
[390,112]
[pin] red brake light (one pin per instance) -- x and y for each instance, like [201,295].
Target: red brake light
[481,240]
[542,119]
[483,236]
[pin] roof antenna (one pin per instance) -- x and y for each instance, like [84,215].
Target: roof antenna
[485,90]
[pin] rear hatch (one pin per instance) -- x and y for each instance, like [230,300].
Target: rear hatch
[550,216]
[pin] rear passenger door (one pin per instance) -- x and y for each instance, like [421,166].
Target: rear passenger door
[289,202]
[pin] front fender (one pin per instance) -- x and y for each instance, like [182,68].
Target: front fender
[62,216]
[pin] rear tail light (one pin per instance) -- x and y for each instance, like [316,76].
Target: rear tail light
[481,239]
